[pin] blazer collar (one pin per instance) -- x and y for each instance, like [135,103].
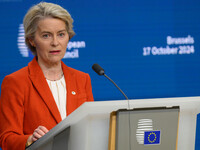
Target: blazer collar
[39,81]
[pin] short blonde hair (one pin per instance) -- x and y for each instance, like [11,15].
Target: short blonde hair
[41,11]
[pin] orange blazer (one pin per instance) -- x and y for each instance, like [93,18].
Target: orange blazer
[27,102]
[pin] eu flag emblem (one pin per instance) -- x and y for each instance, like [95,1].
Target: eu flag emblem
[151,137]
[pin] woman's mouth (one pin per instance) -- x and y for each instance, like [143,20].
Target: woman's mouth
[54,52]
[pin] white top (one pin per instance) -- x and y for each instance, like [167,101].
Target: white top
[58,89]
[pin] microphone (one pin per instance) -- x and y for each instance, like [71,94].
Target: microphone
[100,71]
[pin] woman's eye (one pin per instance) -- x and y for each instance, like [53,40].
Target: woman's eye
[61,34]
[45,35]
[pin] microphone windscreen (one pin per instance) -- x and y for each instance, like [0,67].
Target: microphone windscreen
[98,69]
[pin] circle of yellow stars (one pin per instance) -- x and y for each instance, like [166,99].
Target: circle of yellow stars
[152,141]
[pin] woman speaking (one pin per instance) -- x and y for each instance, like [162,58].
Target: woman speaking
[37,97]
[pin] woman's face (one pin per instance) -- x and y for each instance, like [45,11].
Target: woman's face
[50,40]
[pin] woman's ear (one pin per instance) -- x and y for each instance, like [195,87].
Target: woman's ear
[31,41]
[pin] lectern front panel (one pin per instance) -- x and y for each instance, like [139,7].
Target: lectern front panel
[147,129]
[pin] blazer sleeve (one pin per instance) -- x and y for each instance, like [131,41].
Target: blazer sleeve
[12,114]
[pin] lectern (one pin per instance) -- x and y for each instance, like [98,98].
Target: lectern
[87,128]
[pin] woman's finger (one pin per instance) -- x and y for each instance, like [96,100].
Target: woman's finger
[44,129]
[39,132]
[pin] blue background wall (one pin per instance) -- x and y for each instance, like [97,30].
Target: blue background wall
[127,38]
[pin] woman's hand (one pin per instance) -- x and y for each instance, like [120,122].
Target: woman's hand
[38,133]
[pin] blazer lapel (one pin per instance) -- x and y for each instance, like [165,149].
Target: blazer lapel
[39,81]
[71,86]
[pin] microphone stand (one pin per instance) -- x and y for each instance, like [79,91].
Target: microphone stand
[128,107]
[100,72]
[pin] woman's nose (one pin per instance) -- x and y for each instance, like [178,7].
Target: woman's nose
[55,41]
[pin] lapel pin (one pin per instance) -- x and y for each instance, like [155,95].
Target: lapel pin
[73,93]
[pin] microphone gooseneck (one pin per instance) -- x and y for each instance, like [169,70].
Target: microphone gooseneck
[116,86]
[100,71]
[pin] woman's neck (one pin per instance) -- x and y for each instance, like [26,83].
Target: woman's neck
[53,74]
[52,71]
